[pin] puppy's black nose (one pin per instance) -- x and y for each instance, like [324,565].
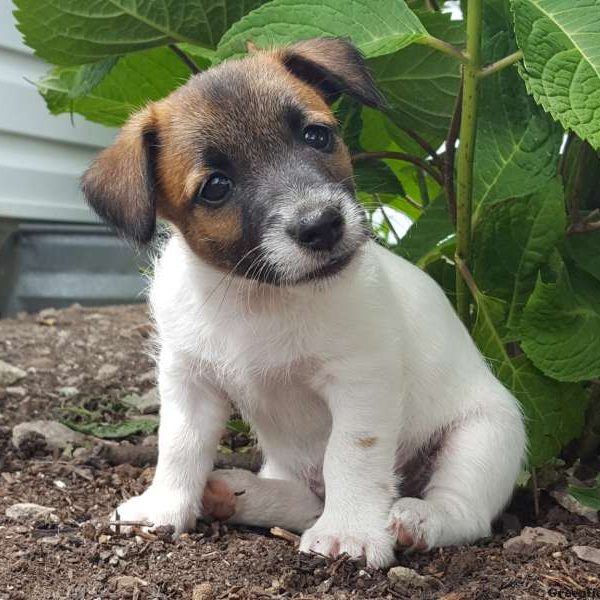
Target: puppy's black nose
[319,231]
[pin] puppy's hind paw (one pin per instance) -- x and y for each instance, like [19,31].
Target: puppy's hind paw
[219,500]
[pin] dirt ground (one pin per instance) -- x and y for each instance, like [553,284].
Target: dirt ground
[88,360]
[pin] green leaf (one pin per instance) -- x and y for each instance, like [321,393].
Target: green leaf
[379,134]
[553,411]
[588,496]
[512,239]
[115,431]
[72,32]
[518,144]
[238,426]
[561,66]
[349,115]
[377,28]
[130,84]
[443,269]
[560,326]
[375,177]
[90,75]
[421,244]
[421,83]
[584,250]
[371,176]
[580,167]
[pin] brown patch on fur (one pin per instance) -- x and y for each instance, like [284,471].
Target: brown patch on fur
[366,442]
[118,185]
[208,231]
[333,66]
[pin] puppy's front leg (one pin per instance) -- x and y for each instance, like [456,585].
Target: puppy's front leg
[193,412]
[359,478]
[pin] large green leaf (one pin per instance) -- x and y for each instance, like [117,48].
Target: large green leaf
[554,411]
[560,326]
[377,28]
[512,239]
[584,250]
[131,83]
[421,243]
[561,66]
[379,134]
[371,176]
[375,177]
[421,83]
[588,496]
[518,144]
[72,32]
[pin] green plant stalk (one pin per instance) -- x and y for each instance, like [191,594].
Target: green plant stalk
[501,64]
[466,153]
[444,47]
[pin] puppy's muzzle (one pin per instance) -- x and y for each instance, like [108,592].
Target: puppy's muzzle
[319,230]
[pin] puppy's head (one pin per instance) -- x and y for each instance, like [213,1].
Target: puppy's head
[246,162]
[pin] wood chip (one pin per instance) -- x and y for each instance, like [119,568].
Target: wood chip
[285,535]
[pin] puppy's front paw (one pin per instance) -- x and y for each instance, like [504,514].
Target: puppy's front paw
[159,508]
[374,544]
[416,523]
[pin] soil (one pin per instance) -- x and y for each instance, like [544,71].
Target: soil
[75,555]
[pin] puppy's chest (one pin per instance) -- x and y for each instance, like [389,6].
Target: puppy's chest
[247,349]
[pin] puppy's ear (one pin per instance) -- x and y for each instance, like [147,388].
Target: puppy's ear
[334,67]
[120,184]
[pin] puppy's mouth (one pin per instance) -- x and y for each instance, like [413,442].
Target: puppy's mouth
[265,271]
[331,268]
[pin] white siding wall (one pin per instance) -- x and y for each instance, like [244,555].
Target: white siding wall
[41,156]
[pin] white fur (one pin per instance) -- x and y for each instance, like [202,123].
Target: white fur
[341,380]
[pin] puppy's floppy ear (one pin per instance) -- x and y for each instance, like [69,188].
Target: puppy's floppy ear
[334,67]
[120,184]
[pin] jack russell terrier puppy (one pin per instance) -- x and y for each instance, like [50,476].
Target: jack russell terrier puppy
[380,423]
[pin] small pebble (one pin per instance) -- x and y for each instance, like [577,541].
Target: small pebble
[203,591]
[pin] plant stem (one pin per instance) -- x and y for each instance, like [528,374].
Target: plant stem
[432,5]
[415,160]
[387,219]
[422,183]
[503,63]
[435,159]
[445,47]
[193,67]
[451,154]
[466,153]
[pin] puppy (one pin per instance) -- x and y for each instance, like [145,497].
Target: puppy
[379,421]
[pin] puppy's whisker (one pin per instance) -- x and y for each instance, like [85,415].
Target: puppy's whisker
[230,273]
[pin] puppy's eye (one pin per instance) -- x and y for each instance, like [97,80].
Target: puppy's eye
[319,137]
[215,190]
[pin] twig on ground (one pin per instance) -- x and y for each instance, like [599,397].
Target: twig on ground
[118,523]
[536,493]
[284,534]
[143,456]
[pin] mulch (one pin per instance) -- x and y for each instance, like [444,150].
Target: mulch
[75,555]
